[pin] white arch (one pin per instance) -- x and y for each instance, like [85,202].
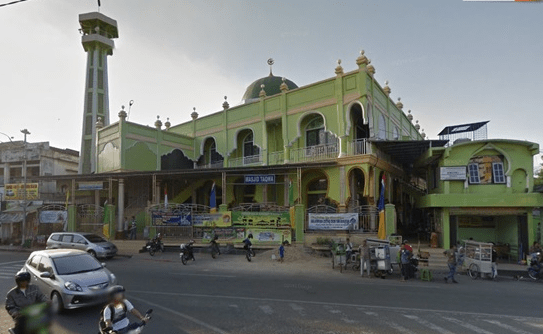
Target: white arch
[202,144]
[490,146]
[235,146]
[348,116]
[299,124]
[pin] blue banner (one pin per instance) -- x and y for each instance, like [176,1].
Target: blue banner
[259,179]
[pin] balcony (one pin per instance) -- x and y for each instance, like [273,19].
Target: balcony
[314,153]
[212,165]
[276,158]
[358,147]
[252,160]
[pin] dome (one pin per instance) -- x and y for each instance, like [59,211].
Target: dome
[271,87]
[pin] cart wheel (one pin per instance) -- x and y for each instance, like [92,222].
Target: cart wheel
[473,271]
[390,271]
[377,273]
[532,273]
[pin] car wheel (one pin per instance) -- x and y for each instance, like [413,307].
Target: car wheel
[109,257]
[93,253]
[57,306]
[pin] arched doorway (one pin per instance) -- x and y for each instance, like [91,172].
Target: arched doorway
[175,160]
[243,193]
[357,183]
[317,190]
[360,128]
[210,158]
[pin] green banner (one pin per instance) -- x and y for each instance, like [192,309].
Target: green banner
[261,219]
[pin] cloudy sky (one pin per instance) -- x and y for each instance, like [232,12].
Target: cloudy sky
[450,61]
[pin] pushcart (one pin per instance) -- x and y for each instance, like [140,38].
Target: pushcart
[339,257]
[382,257]
[478,258]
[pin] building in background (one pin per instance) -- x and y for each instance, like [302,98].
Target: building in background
[42,160]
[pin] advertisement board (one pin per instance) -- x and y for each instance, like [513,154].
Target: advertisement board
[261,219]
[270,235]
[160,218]
[53,216]
[333,221]
[15,192]
[218,219]
[452,173]
[90,185]
[225,234]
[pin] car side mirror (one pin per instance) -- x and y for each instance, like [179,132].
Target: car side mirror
[46,275]
[103,264]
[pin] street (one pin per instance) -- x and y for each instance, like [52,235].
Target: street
[230,295]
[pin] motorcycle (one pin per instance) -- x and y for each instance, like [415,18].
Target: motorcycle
[186,253]
[534,270]
[154,246]
[138,327]
[35,318]
[249,253]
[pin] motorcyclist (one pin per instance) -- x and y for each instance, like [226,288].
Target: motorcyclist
[21,297]
[189,249]
[247,242]
[215,245]
[115,314]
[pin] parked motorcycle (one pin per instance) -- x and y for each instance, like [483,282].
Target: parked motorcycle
[534,270]
[155,245]
[187,252]
[137,330]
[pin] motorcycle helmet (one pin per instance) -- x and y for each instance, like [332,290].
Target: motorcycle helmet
[250,236]
[22,276]
[191,242]
[115,290]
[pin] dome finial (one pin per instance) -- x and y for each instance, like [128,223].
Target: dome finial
[168,124]
[158,123]
[399,104]
[370,69]
[122,114]
[409,116]
[423,135]
[225,104]
[417,125]
[194,114]
[339,69]
[271,62]
[284,86]
[361,61]
[262,93]
[387,89]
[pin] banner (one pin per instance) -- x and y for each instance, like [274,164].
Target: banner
[259,179]
[231,234]
[53,216]
[261,219]
[90,185]
[218,219]
[15,192]
[333,221]
[173,219]
[270,235]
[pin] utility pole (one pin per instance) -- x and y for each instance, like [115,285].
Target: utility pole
[25,132]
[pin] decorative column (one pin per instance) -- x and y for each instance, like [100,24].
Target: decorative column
[120,204]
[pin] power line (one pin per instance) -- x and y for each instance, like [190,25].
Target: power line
[11,3]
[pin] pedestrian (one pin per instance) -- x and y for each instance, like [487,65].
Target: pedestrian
[494,263]
[125,227]
[451,262]
[348,250]
[282,251]
[405,259]
[133,229]
[21,297]
[365,258]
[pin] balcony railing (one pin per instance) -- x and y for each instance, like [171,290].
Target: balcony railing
[276,158]
[314,153]
[252,160]
[358,147]
[212,165]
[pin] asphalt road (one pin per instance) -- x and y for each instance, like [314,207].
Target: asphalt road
[230,295]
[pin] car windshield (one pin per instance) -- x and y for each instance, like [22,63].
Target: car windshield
[95,238]
[70,265]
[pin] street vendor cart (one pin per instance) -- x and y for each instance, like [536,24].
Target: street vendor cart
[478,258]
[382,257]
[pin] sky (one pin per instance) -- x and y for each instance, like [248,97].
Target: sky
[450,61]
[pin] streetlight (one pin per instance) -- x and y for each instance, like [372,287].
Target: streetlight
[25,132]
[10,138]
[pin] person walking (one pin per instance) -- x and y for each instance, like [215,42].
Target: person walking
[494,263]
[451,262]
[365,258]
[282,251]
[125,227]
[133,229]
[405,261]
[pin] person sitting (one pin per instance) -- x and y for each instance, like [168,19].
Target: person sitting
[115,314]
[21,297]
[536,248]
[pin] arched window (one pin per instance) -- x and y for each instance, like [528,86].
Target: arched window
[212,152]
[382,127]
[396,133]
[315,133]
[249,148]
[316,192]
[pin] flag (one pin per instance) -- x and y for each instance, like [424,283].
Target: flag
[213,199]
[166,196]
[290,192]
[381,233]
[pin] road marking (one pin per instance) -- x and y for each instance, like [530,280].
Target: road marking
[427,324]
[298,309]
[182,315]
[372,314]
[266,309]
[307,302]
[204,275]
[403,285]
[399,328]
[466,325]
[20,261]
[508,327]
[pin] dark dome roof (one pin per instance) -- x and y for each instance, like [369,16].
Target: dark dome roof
[271,87]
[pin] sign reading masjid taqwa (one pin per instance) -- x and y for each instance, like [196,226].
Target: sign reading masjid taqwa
[259,179]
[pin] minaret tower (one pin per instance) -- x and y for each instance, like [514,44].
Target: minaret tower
[98,32]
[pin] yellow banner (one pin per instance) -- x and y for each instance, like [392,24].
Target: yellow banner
[16,192]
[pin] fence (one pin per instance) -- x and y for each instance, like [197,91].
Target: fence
[314,153]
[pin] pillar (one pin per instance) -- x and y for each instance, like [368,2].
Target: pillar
[390,219]
[532,228]
[109,218]
[342,189]
[71,218]
[299,214]
[286,190]
[224,198]
[6,173]
[120,204]
[445,229]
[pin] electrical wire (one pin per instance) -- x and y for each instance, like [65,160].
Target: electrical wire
[11,3]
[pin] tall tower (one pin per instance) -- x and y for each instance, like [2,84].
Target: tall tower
[98,32]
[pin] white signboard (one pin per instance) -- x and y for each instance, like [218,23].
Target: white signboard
[53,216]
[453,173]
[333,221]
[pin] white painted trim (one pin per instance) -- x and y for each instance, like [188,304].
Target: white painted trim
[348,115]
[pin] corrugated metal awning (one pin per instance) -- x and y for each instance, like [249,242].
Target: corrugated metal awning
[6,218]
[406,152]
